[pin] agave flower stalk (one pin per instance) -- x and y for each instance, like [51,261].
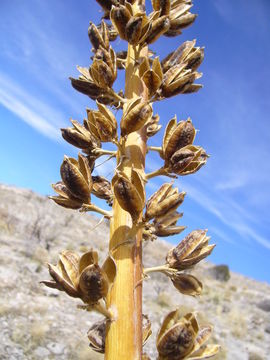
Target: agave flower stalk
[127,326]
[115,288]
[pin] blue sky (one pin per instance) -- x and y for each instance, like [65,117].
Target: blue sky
[41,42]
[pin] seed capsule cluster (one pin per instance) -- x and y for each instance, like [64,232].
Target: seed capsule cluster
[81,276]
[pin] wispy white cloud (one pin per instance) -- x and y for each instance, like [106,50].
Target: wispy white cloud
[40,53]
[29,109]
[233,215]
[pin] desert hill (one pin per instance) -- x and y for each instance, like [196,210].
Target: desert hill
[40,323]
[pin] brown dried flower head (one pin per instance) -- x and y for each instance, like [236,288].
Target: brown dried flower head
[192,249]
[102,189]
[187,160]
[166,225]
[99,37]
[76,175]
[65,197]
[80,137]
[102,123]
[179,80]
[136,114]
[180,17]
[129,192]
[186,284]
[186,54]
[163,202]
[180,337]
[120,16]
[151,77]
[81,276]
[177,136]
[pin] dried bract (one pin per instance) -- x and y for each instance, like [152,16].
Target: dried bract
[96,336]
[146,328]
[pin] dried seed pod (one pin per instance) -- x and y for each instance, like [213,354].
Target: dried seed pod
[65,197]
[134,29]
[182,22]
[102,123]
[81,276]
[179,84]
[156,29]
[181,337]
[80,136]
[135,116]
[176,137]
[96,336]
[178,56]
[102,74]
[95,36]
[102,189]
[180,17]
[177,336]
[187,160]
[112,33]
[86,87]
[93,283]
[190,251]
[130,198]
[163,202]
[152,81]
[120,16]
[187,284]
[76,176]
[205,352]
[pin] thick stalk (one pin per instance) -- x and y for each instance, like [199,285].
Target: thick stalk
[124,335]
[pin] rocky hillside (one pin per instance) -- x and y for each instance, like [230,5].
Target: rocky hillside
[39,323]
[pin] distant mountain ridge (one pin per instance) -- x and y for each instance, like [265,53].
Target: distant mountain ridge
[39,323]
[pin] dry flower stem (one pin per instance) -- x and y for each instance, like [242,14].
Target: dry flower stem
[124,335]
